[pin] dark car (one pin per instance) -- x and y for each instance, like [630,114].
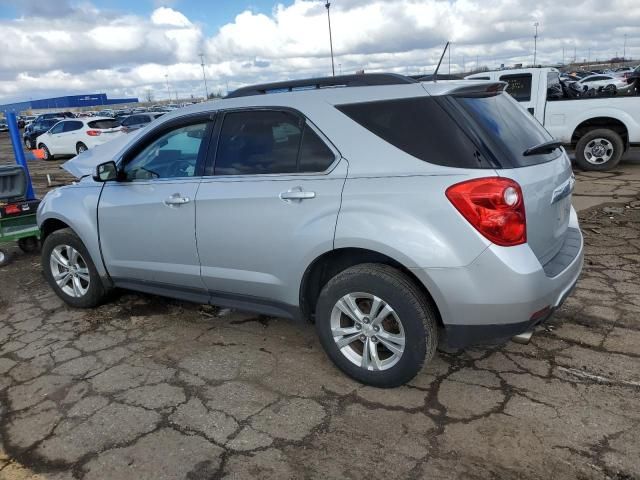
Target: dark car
[134,122]
[37,128]
[46,116]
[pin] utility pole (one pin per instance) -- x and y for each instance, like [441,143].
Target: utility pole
[624,50]
[477,63]
[464,68]
[166,77]
[535,43]
[589,58]
[562,55]
[204,77]
[449,59]
[333,68]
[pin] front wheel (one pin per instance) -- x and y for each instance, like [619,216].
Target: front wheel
[599,150]
[70,271]
[46,154]
[28,143]
[81,147]
[376,325]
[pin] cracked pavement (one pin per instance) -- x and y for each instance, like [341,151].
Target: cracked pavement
[150,388]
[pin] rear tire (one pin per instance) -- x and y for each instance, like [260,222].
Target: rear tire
[76,279]
[28,144]
[29,244]
[409,329]
[599,150]
[81,147]
[5,258]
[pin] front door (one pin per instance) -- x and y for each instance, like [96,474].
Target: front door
[269,208]
[147,220]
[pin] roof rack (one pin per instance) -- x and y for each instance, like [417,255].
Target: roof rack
[358,80]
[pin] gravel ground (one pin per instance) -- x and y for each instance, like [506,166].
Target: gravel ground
[149,388]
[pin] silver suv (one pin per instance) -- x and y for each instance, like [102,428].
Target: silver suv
[394,214]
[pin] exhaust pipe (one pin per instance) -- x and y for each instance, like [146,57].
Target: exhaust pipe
[524,338]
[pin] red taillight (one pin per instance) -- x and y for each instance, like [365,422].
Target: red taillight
[494,206]
[93,133]
[12,209]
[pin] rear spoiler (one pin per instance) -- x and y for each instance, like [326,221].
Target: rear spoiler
[479,89]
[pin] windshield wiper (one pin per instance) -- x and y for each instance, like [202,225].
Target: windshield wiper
[546,147]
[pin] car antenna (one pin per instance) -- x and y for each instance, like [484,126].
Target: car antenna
[435,74]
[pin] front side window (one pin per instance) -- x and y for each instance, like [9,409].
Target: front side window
[58,128]
[518,86]
[258,142]
[172,155]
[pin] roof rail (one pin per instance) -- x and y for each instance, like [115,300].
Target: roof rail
[359,80]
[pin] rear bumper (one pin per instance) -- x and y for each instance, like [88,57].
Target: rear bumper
[504,292]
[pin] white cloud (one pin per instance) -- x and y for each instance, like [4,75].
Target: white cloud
[82,48]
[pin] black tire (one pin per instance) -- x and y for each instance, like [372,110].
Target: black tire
[81,147]
[29,244]
[47,153]
[28,144]
[414,310]
[96,291]
[613,139]
[5,258]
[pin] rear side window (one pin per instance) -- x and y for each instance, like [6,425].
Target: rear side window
[258,142]
[315,156]
[506,129]
[420,127]
[103,124]
[518,86]
[72,126]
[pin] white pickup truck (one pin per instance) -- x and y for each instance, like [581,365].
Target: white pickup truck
[600,128]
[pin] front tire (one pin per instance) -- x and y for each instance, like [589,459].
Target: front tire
[28,143]
[70,271]
[376,325]
[599,150]
[46,153]
[81,147]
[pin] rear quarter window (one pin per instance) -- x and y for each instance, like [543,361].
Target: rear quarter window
[420,127]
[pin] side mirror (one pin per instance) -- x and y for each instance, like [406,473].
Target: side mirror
[106,172]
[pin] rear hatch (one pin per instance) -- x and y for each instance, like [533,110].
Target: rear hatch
[503,132]
[107,126]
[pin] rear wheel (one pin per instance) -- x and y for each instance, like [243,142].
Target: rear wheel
[599,149]
[376,325]
[70,271]
[81,147]
[29,244]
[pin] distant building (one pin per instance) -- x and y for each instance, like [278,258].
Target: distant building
[66,102]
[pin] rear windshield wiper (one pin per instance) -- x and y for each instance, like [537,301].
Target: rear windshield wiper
[546,147]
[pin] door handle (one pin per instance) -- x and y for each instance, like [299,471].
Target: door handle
[297,194]
[176,199]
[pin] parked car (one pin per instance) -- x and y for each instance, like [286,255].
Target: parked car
[378,209]
[602,82]
[45,116]
[34,130]
[3,126]
[71,137]
[134,122]
[600,129]
[28,120]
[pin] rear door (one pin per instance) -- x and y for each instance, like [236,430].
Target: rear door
[268,206]
[147,221]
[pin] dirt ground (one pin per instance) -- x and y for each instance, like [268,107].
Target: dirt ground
[149,388]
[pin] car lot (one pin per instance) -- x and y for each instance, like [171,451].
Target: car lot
[146,387]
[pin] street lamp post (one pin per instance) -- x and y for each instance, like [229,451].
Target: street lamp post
[204,76]
[166,78]
[333,69]
[535,43]
[624,49]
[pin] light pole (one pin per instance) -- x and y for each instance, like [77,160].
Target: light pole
[166,78]
[535,43]
[333,69]
[204,76]
[624,50]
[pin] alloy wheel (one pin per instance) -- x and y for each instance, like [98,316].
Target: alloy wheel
[69,270]
[367,331]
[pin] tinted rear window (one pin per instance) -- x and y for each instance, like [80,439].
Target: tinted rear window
[505,128]
[518,86]
[102,124]
[420,127]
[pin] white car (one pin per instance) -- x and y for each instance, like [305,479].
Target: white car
[602,81]
[75,135]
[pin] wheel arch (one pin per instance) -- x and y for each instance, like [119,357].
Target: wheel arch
[51,225]
[594,123]
[332,262]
